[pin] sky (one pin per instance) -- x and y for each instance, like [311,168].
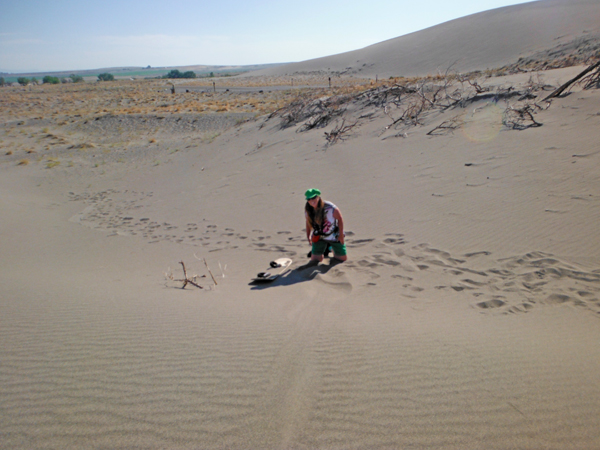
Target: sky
[62,35]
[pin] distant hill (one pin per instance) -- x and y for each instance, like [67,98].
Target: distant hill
[489,39]
[143,72]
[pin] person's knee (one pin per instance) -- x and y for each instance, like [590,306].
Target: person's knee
[341,257]
[316,258]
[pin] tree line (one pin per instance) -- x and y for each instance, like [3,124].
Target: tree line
[49,79]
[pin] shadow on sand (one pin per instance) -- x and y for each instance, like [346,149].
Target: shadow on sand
[300,274]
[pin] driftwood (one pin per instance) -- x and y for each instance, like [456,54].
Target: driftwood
[561,89]
[186,280]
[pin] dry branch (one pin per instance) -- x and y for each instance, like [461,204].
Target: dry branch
[185,280]
[561,89]
[520,118]
[592,80]
[337,133]
[447,126]
[211,275]
[478,88]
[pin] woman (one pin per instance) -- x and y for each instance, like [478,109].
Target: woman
[324,227]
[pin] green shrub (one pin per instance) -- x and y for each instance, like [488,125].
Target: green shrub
[106,77]
[50,80]
[76,78]
[23,81]
[2,81]
[177,74]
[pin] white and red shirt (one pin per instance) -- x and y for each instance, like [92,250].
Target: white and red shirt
[329,230]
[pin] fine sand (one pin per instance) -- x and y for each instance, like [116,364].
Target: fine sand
[466,317]
[484,41]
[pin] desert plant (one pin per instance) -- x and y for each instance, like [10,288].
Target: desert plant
[106,77]
[2,81]
[50,80]
[23,81]
[52,162]
[76,78]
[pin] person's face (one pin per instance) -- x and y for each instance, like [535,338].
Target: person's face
[314,201]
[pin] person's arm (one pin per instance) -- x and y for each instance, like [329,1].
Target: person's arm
[308,230]
[337,215]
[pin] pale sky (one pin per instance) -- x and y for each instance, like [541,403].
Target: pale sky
[57,35]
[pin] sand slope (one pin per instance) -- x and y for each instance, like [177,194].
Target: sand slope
[466,317]
[486,40]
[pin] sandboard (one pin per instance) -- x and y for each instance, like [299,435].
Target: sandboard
[266,277]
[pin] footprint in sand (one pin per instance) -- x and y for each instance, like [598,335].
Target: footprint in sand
[490,304]
[358,242]
[386,260]
[536,279]
[394,239]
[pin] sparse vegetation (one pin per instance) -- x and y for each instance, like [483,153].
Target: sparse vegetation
[408,103]
[126,116]
[23,81]
[177,74]
[52,162]
[50,80]
[106,77]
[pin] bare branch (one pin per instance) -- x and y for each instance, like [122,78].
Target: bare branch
[187,279]
[447,126]
[337,133]
[520,118]
[561,89]
[211,275]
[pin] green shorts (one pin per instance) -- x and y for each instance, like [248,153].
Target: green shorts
[319,247]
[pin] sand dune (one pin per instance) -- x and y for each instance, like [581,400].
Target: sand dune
[467,315]
[486,40]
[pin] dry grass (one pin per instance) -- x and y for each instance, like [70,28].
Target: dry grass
[67,103]
[82,146]
[52,162]
[134,116]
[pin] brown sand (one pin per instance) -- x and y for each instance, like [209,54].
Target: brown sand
[467,315]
